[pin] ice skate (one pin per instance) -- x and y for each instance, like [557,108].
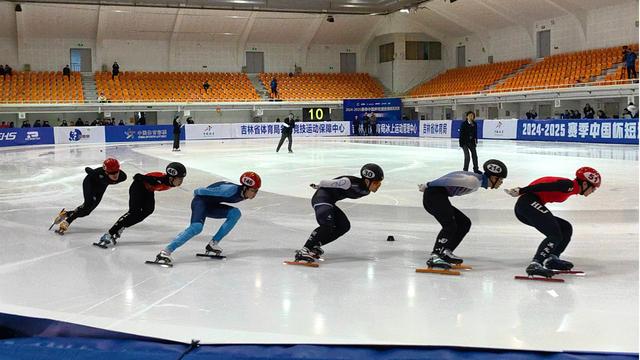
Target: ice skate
[106,240]
[62,228]
[62,216]
[449,257]
[305,257]
[162,259]
[437,265]
[316,252]
[212,251]
[555,263]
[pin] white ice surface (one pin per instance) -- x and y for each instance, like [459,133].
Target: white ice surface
[366,292]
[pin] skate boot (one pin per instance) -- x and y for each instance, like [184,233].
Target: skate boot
[64,226]
[62,216]
[449,257]
[213,247]
[316,252]
[555,263]
[164,258]
[535,268]
[305,255]
[108,239]
[435,261]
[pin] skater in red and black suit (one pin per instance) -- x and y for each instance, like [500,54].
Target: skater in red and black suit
[332,222]
[530,209]
[142,200]
[93,187]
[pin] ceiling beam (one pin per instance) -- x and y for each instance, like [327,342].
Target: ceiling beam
[510,16]
[579,15]
[20,33]
[244,36]
[177,23]
[307,37]
[100,31]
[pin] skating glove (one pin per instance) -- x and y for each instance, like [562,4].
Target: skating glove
[422,187]
[513,192]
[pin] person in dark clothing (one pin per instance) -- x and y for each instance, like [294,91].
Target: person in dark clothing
[531,114]
[356,125]
[630,63]
[286,132]
[94,123]
[277,120]
[1,70]
[25,123]
[176,133]
[66,71]
[578,115]
[64,123]
[589,113]
[142,199]
[373,121]
[121,123]
[602,115]
[530,209]
[333,223]
[8,71]
[190,120]
[468,140]
[93,187]
[37,124]
[11,125]
[115,70]
[46,124]
[274,88]
[206,86]
[366,124]
[142,120]
[79,122]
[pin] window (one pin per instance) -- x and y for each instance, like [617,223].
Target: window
[423,50]
[386,52]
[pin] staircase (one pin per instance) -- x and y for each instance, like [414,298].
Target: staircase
[257,84]
[509,76]
[89,87]
[611,70]
[387,92]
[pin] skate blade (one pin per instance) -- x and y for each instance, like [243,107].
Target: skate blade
[461,267]
[570,272]
[220,257]
[101,246]
[302,263]
[59,232]
[437,271]
[537,278]
[157,263]
[56,222]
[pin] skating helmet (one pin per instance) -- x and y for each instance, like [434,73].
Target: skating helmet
[251,179]
[176,169]
[111,166]
[590,175]
[372,172]
[496,168]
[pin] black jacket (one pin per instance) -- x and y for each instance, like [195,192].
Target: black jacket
[176,126]
[468,134]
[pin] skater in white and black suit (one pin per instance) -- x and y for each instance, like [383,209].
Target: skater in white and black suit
[333,222]
[455,224]
[287,132]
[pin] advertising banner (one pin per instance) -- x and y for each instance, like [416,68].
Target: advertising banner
[611,131]
[500,129]
[435,128]
[26,136]
[79,135]
[131,133]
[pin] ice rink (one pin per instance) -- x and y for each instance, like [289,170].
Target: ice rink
[367,291]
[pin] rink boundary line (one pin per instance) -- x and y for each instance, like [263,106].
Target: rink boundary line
[23,262]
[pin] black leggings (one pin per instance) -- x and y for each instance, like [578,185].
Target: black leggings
[285,135]
[631,72]
[474,156]
[176,141]
[92,198]
[333,224]
[141,204]
[455,224]
[558,231]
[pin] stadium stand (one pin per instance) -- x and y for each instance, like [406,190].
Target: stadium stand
[318,86]
[41,86]
[175,86]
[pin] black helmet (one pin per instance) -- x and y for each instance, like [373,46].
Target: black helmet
[176,169]
[495,167]
[372,172]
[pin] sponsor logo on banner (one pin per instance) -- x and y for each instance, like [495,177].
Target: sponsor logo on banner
[8,136]
[77,135]
[208,131]
[32,136]
[500,129]
[435,128]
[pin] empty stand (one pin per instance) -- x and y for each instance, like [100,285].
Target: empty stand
[318,86]
[41,86]
[468,79]
[175,86]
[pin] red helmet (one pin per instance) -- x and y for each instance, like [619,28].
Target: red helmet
[251,180]
[111,166]
[590,175]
